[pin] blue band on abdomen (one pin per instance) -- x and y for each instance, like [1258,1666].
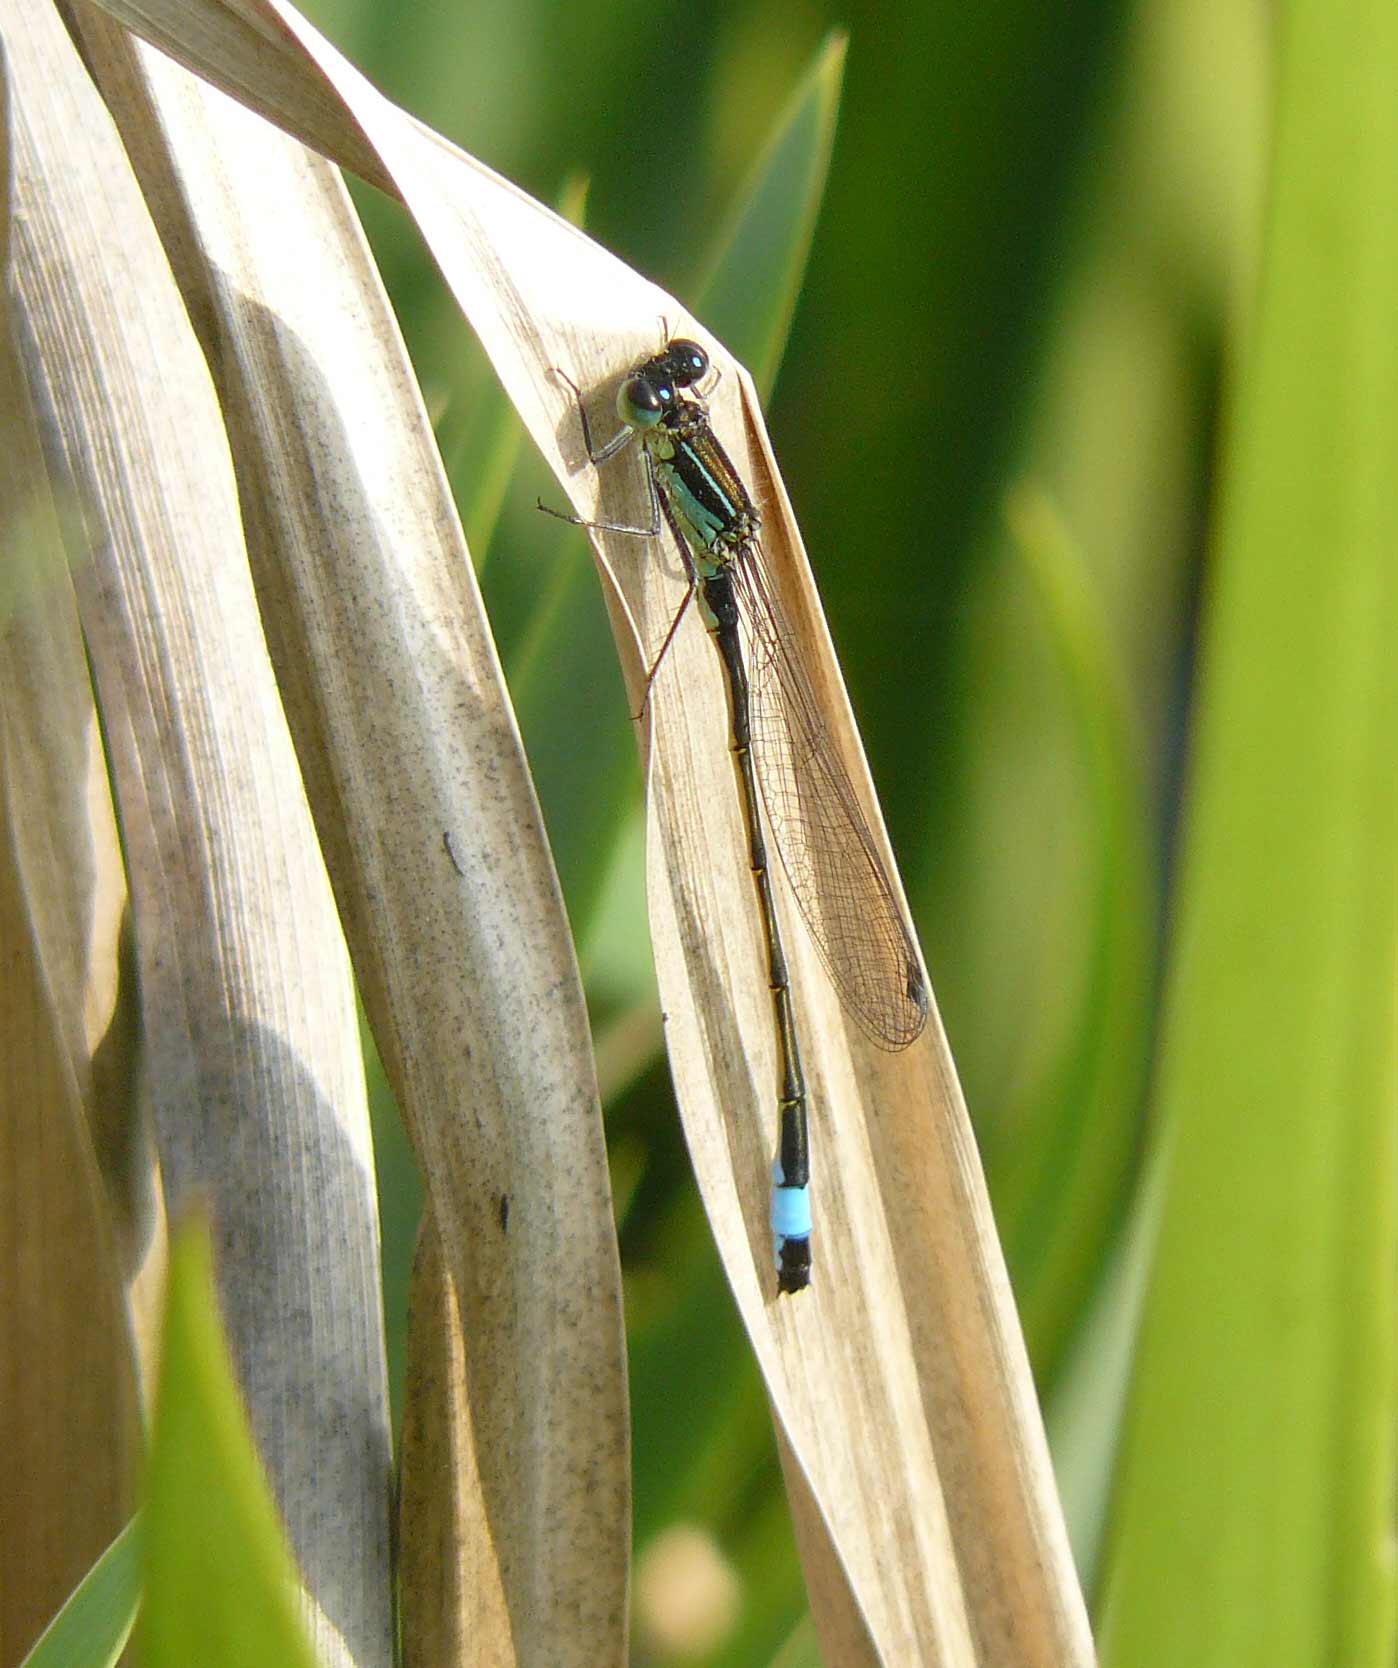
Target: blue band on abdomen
[791,1213]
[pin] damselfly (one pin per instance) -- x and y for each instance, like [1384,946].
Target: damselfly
[827,849]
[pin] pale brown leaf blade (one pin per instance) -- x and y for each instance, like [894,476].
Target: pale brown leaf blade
[458,1584]
[250,1042]
[247,52]
[900,1379]
[68,1392]
[431,832]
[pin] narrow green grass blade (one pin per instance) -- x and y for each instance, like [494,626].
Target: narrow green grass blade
[92,1628]
[1253,1520]
[568,698]
[1061,1186]
[220,1588]
[755,274]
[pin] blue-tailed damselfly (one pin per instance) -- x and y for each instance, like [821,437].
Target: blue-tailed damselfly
[827,848]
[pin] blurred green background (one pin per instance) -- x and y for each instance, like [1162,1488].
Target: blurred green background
[996,415]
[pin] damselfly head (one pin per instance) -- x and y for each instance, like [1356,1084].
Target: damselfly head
[652,389]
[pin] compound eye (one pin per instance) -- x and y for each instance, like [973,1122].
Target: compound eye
[688,361]
[639,403]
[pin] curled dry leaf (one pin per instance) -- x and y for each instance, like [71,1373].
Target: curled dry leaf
[899,1379]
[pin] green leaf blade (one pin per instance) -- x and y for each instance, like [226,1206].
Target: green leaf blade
[220,1585]
[92,1628]
[755,275]
[1256,1476]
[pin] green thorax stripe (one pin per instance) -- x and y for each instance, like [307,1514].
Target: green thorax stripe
[702,485]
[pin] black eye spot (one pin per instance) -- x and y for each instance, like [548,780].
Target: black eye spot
[503,1207]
